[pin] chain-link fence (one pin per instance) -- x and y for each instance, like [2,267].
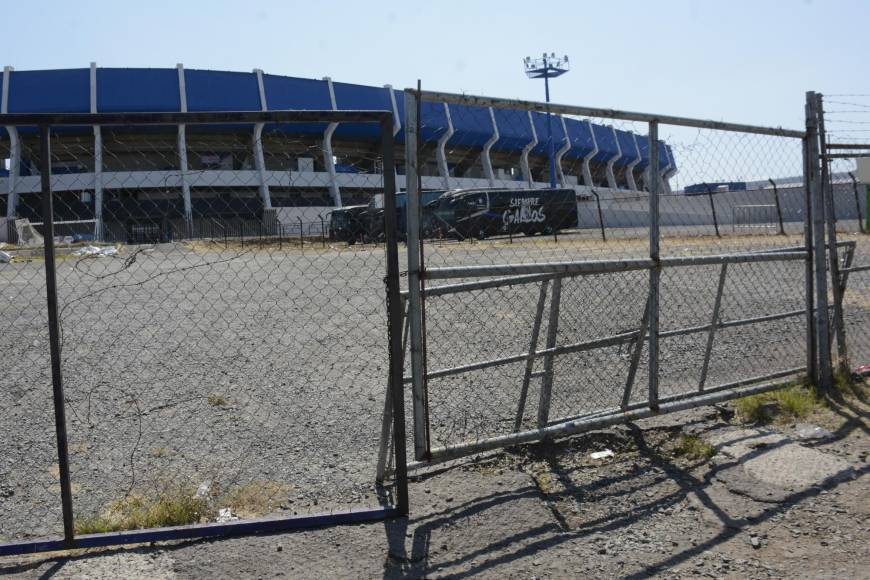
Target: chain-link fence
[539,301]
[223,342]
[231,334]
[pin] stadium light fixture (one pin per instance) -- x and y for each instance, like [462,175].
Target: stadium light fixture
[548,67]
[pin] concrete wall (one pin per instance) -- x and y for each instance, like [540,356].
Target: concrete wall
[694,210]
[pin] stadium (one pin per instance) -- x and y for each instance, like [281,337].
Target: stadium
[130,184]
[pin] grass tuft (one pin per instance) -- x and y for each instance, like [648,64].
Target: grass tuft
[254,499]
[694,447]
[793,402]
[847,386]
[216,400]
[754,409]
[172,508]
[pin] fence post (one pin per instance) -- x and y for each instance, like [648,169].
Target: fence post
[833,258]
[809,301]
[857,202]
[714,323]
[552,331]
[600,215]
[778,208]
[655,271]
[54,336]
[825,379]
[713,210]
[323,230]
[530,359]
[415,299]
[394,325]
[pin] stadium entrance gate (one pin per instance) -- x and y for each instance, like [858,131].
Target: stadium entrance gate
[204,379]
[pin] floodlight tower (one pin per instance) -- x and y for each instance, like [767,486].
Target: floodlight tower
[548,67]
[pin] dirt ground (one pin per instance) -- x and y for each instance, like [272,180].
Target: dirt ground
[784,500]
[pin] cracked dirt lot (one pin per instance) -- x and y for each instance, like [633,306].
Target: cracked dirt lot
[769,503]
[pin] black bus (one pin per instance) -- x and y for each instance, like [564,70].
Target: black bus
[348,224]
[481,213]
[375,214]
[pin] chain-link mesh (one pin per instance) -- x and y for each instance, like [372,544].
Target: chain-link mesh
[29,489]
[847,123]
[535,350]
[223,325]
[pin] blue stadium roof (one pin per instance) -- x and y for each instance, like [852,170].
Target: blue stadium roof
[148,89]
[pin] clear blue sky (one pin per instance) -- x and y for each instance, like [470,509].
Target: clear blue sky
[747,61]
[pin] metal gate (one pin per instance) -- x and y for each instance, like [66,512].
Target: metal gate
[643,305]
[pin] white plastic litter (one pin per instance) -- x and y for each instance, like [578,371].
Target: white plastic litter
[4,257]
[95,251]
[203,490]
[226,515]
[27,234]
[809,431]
[607,453]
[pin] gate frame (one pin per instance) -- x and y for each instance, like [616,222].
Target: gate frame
[394,386]
[418,274]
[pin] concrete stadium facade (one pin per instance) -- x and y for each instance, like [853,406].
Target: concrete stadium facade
[121,174]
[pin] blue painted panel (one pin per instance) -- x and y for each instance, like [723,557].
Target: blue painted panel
[295,93]
[137,89]
[472,126]
[433,120]
[50,91]
[626,144]
[209,90]
[581,138]
[606,143]
[288,93]
[400,104]
[514,129]
[360,97]
[540,120]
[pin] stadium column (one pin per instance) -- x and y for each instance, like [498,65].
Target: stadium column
[397,122]
[611,177]
[14,149]
[524,158]
[182,153]
[629,169]
[587,161]
[441,152]
[98,161]
[561,153]
[663,174]
[485,158]
[328,157]
[259,159]
[672,168]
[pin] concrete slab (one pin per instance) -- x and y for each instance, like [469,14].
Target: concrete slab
[770,466]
